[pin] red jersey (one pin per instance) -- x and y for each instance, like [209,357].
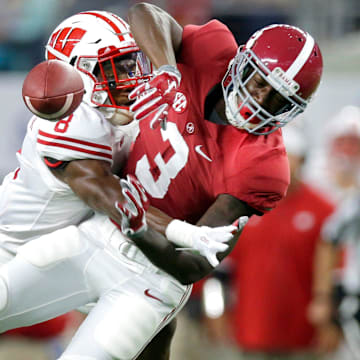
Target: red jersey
[187,166]
[273,273]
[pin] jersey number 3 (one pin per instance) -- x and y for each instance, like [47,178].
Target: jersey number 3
[168,170]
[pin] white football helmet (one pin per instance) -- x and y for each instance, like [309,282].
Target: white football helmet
[94,42]
[285,57]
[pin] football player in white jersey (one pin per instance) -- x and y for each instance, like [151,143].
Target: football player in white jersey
[65,166]
[65,172]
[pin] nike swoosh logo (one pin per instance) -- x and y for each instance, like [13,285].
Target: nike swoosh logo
[147,293]
[200,152]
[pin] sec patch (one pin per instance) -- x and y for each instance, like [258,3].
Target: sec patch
[180,103]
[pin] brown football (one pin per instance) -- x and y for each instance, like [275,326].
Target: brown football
[53,90]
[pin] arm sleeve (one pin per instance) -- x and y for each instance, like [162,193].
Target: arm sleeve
[83,135]
[260,181]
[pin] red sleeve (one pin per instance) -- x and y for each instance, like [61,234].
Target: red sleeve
[207,50]
[261,185]
[256,174]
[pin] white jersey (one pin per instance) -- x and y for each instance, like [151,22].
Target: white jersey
[32,200]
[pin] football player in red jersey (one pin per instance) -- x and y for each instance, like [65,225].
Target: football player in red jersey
[66,165]
[207,172]
[218,153]
[222,154]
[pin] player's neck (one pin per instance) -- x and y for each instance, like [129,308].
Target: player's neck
[217,115]
[215,106]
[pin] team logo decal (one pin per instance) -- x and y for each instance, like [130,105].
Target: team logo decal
[64,40]
[200,152]
[180,102]
[148,294]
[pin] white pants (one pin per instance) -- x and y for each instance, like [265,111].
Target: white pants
[91,263]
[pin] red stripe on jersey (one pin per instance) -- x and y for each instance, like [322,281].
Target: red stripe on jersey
[53,165]
[118,32]
[75,148]
[77,141]
[16,173]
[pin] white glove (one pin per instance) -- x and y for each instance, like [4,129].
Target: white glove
[203,239]
[209,241]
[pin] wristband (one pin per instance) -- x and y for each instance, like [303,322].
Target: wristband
[180,233]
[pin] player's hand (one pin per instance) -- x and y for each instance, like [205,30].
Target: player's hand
[156,96]
[210,241]
[205,240]
[133,209]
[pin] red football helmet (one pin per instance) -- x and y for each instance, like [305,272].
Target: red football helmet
[289,60]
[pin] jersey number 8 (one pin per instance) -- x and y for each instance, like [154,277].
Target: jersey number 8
[62,125]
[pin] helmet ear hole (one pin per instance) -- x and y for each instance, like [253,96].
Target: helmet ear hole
[96,70]
[73,60]
[247,72]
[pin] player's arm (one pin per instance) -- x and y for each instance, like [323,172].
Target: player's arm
[159,36]
[156,32]
[223,212]
[186,266]
[94,183]
[321,307]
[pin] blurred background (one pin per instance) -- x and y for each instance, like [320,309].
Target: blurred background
[25,26]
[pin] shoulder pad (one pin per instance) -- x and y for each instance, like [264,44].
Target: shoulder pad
[85,134]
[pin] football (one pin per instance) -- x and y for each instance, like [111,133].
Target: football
[53,90]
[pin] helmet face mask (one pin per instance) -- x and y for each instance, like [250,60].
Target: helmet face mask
[116,73]
[98,44]
[258,61]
